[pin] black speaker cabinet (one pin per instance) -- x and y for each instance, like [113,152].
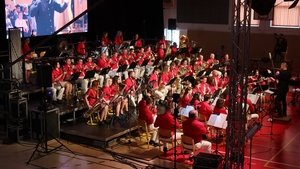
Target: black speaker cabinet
[207,161]
[41,122]
[172,24]
[18,107]
[44,74]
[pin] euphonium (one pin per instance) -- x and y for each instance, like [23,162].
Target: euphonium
[97,105]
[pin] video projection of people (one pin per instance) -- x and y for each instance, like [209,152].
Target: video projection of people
[44,17]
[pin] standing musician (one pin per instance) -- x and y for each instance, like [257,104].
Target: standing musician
[118,40]
[137,42]
[131,87]
[173,49]
[28,66]
[121,102]
[105,44]
[81,47]
[103,62]
[57,78]
[89,66]
[226,62]
[80,67]
[283,77]
[163,42]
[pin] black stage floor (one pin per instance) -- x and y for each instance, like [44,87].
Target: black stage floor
[99,136]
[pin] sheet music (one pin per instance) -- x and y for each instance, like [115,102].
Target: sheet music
[185,111]
[253,97]
[218,121]
[269,92]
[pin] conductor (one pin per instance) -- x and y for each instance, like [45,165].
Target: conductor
[282,78]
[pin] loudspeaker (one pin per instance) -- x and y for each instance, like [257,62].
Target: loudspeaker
[48,122]
[172,24]
[44,75]
[263,7]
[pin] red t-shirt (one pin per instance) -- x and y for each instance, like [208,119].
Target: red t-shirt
[160,53]
[106,91]
[81,48]
[205,109]
[103,63]
[219,110]
[92,96]
[153,77]
[130,84]
[166,121]
[185,101]
[25,49]
[56,73]
[164,78]
[105,41]
[146,115]
[118,40]
[69,69]
[80,68]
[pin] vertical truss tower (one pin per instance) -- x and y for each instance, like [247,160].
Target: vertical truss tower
[240,42]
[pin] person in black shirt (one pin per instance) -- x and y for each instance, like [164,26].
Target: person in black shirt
[281,46]
[282,78]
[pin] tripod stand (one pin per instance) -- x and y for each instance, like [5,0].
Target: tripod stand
[43,70]
[270,119]
[217,142]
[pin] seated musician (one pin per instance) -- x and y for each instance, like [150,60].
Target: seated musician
[106,92]
[217,82]
[196,101]
[211,84]
[57,96]
[105,44]
[186,98]
[184,69]
[57,79]
[131,87]
[197,88]
[195,129]
[139,58]
[165,120]
[68,68]
[163,42]
[161,52]
[81,47]
[204,86]
[114,64]
[103,62]
[93,100]
[91,66]
[116,91]
[210,61]
[173,70]
[205,107]
[131,56]
[148,114]
[226,61]
[153,78]
[124,61]
[220,107]
[80,67]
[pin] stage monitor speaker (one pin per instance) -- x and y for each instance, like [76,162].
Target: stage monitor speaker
[263,7]
[172,24]
[44,75]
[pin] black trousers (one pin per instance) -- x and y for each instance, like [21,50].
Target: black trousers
[280,102]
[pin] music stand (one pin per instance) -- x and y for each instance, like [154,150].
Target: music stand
[132,65]
[89,74]
[145,62]
[74,76]
[219,122]
[201,73]
[156,61]
[171,81]
[104,71]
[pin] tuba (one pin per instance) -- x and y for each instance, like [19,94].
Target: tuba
[184,41]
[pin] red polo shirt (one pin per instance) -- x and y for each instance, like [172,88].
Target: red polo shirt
[166,121]
[56,73]
[92,96]
[206,109]
[193,128]
[146,115]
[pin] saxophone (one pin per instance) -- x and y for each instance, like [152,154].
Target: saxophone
[97,105]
